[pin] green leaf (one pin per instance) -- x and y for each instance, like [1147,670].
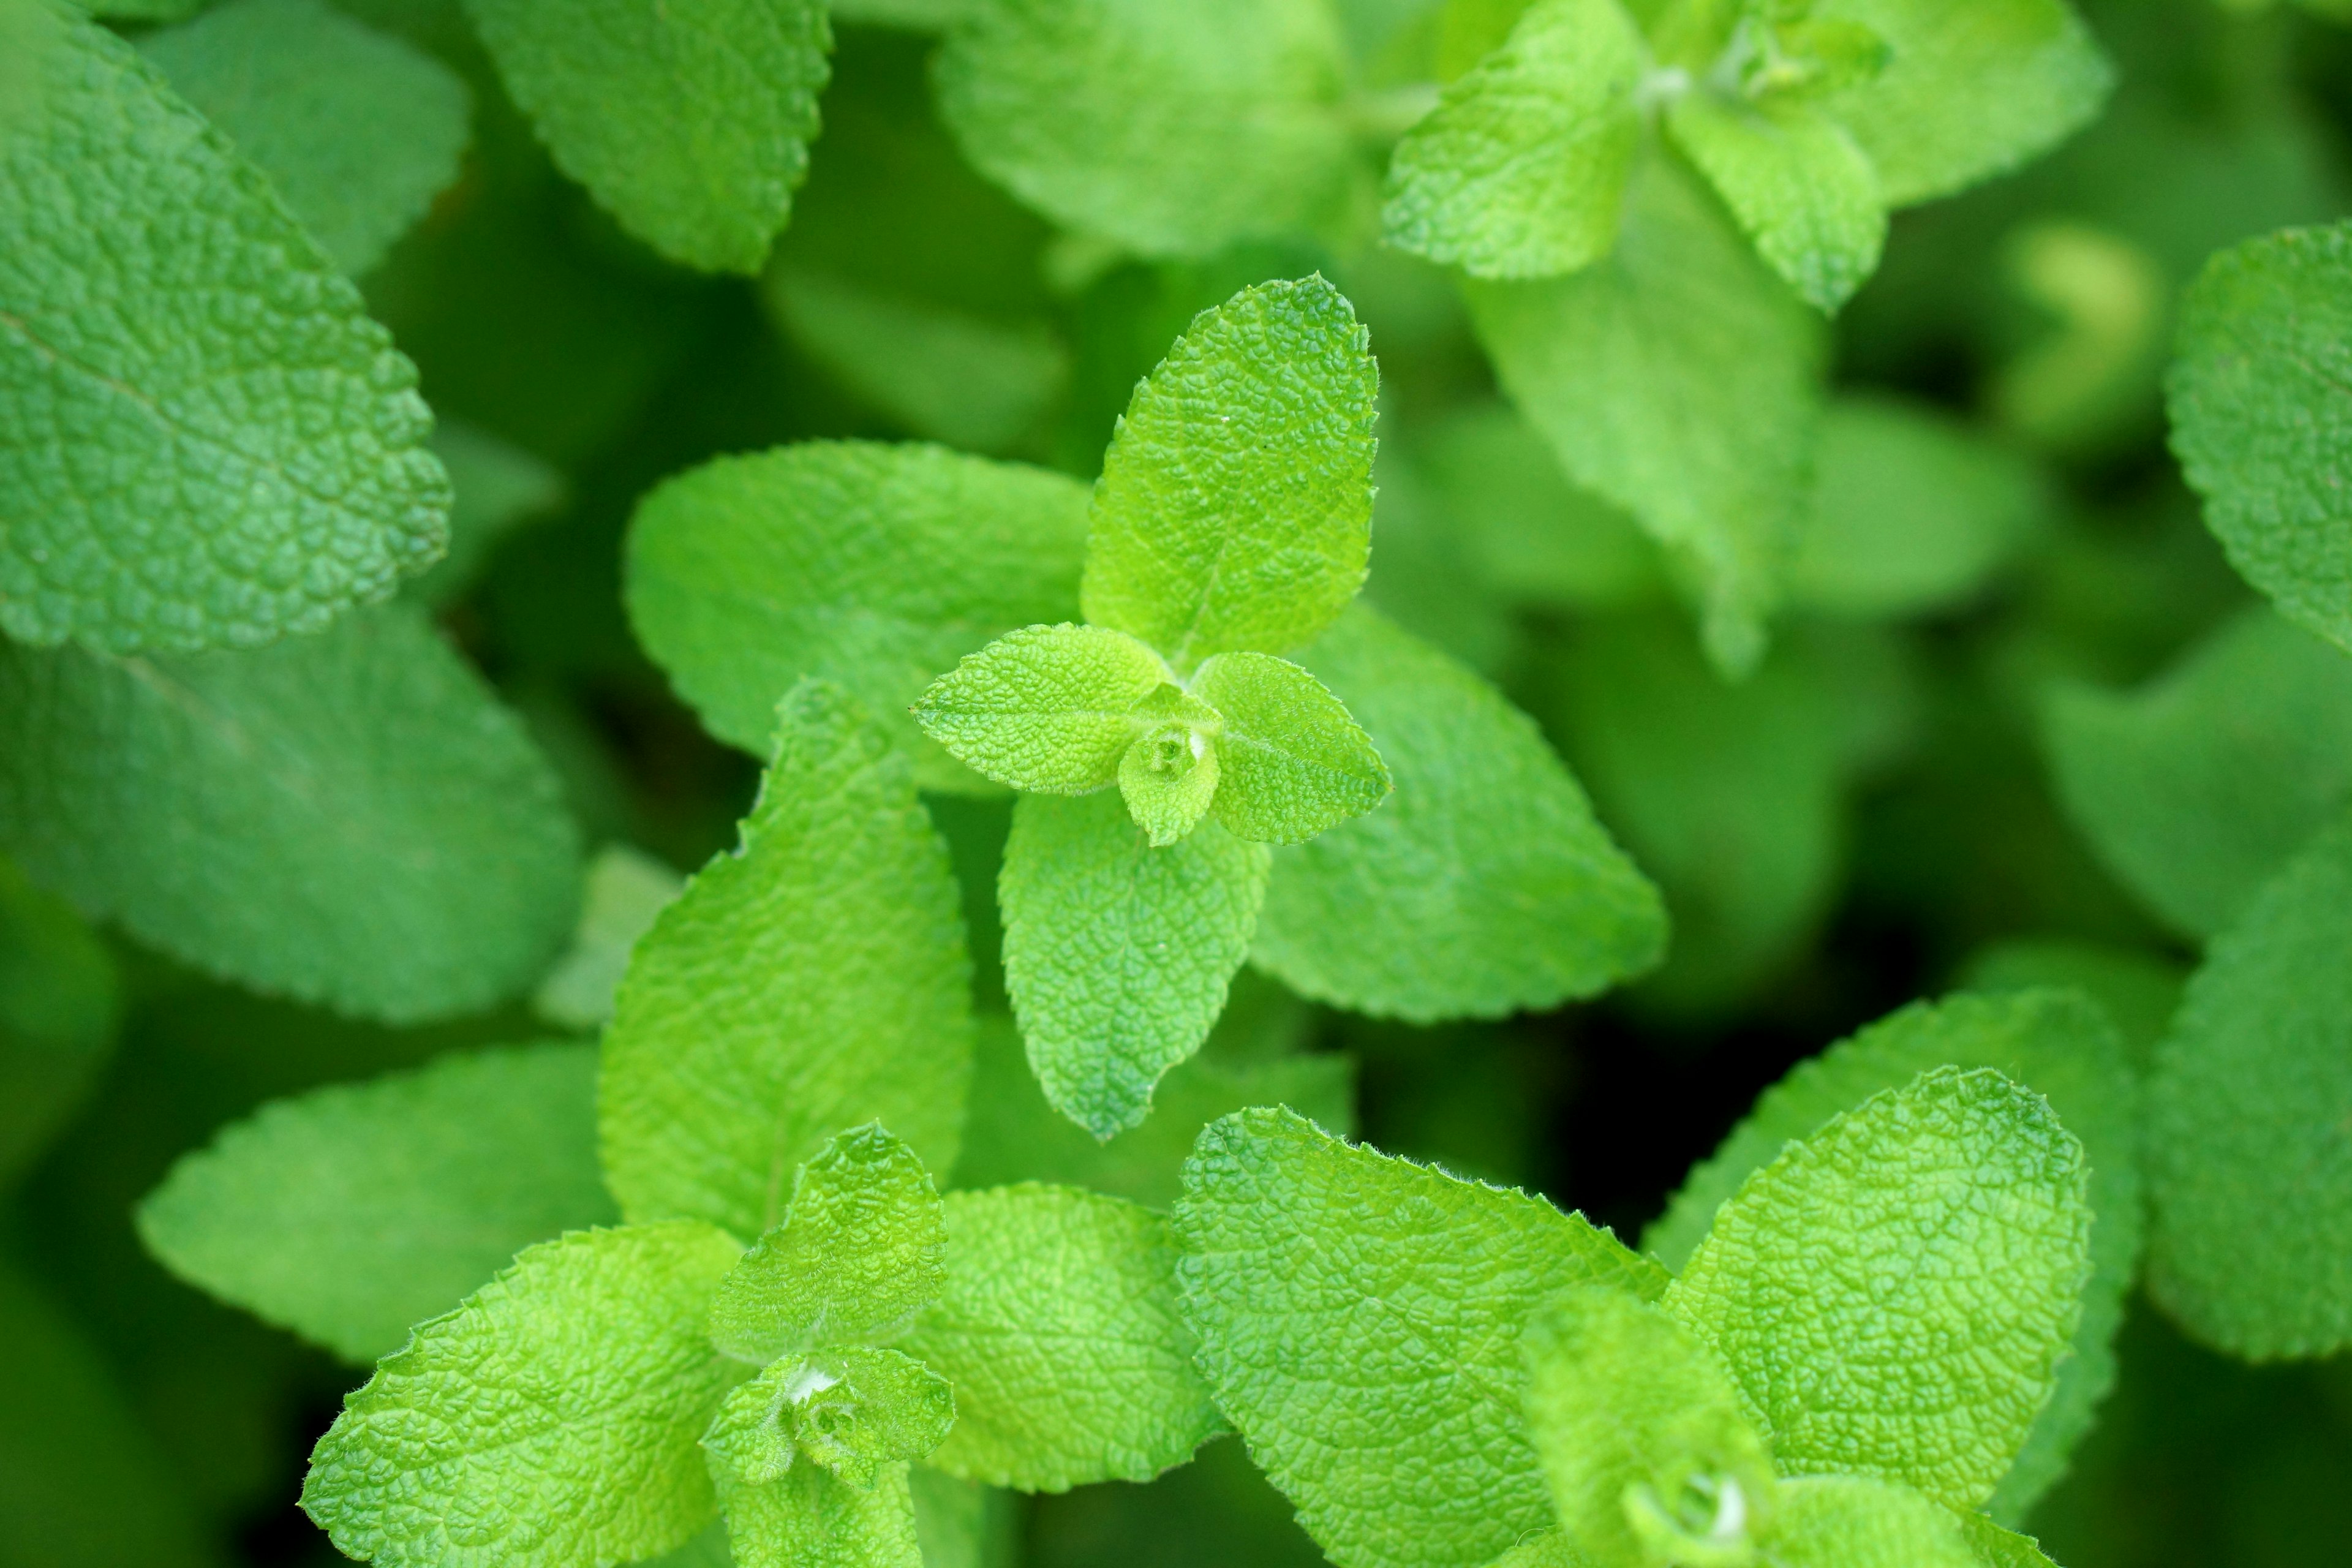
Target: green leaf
[962,1524]
[854,1412]
[497,488]
[1174,130]
[348,819]
[1800,187]
[2055,1043]
[1533,535]
[1677,379]
[2250,1162]
[688,119]
[173,346]
[858,1256]
[1482,886]
[1646,1451]
[1045,707]
[626,892]
[1997,1548]
[814,979]
[2138,989]
[873,567]
[60,1005]
[1293,762]
[810,1518]
[1117,954]
[2258,420]
[1169,777]
[358,131]
[1060,1333]
[1236,506]
[1359,1318]
[1853,1521]
[1893,1293]
[1520,170]
[551,1420]
[350,1213]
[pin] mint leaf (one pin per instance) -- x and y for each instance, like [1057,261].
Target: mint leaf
[218,371]
[1236,506]
[813,978]
[1520,170]
[1853,1521]
[1893,1293]
[2140,990]
[1117,954]
[552,1419]
[347,819]
[60,1005]
[2250,1170]
[1045,707]
[810,1518]
[627,891]
[852,1412]
[858,1255]
[497,487]
[691,123]
[358,131]
[350,1213]
[1483,886]
[962,1524]
[1359,1318]
[1997,1548]
[1800,187]
[1172,775]
[873,567]
[1293,763]
[1534,535]
[1060,1333]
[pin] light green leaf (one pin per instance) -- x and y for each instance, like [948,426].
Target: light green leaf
[357,131]
[1997,1548]
[2250,1123]
[854,1412]
[551,1420]
[1359,1318]
[689,119]
[1172,130]
[963,1524]
[810,1518]
[1236,506]
[858,1256]
[497,488]
[1534,536]
[1117,954]
[348,819]
[1482,886]
[1294,762]
[627,891]
[61,1004]
[2258,419]
[1853,1521]
[870,566]
[1045,707]
[1893,1293]
[2055,1043]
[1679,379]
[173,346]
[1799,186]
[814,979]
[2138,989]
[1060,1333]
[1520,170]
[1169,777]
[349,1213]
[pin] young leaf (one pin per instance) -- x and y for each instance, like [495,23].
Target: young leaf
[873,567]
[1482,886]
[852,1412]
[1293,763]
[691,120]
[357,131]
[61,1004]
[1520,170]
[626,892]
[174,347]
[1117,954]
[2249,1168]
[1853,1521]
[810,1518]
[1046,707]
[1168,779]
[347,819]
[858,1256]
[1799,186]
[553,1419]
[815,978]
[1060,1333]
[1359,1318]
[1893,1293]
[350,1213]
[1235,505]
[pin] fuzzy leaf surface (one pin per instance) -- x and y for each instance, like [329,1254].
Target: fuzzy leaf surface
[1046,707]
[1854,1522]
[1801,188]
[810,1519]
[855,1412]
[1293,762]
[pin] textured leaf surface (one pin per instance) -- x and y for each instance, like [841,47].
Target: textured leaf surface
[810,1520]
[854,1412]
[551,1420]
[1293,762]
[358,131]
[1060,1333]
[1116,954]
[627,891]
[347,818]
[1799,186]
[1894,1292]
[873,567]
[812,980]
[1236,506]
[1360,1321]
[689,119]
[1044,708]
[1852,1521]
[350,1214]
[203,441]
[1481,886]
[1520,170]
